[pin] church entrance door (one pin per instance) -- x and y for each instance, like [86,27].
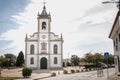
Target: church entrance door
[43,63]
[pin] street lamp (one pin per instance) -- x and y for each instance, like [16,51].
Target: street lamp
[113,1]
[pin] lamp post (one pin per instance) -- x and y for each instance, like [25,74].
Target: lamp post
[117,2]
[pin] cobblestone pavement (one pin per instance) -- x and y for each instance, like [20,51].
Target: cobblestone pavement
[92,75]
[114,77]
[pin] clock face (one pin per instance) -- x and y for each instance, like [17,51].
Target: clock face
[43,36]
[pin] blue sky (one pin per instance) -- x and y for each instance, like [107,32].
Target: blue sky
[7,9]
[85,24]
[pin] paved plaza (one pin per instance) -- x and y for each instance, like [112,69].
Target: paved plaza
[92,75]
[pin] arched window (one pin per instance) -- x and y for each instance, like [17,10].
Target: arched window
[55,60]
[32,49]
[55,49]
[43,25]
[32,60]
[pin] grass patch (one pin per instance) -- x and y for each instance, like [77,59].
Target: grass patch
[9,78]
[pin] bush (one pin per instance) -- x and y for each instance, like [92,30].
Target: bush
[72,71]
[77,71]
[65,72]
[86,69]
[82,70]
[26,72]
[53,74]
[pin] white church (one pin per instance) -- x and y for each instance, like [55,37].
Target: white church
[44,49]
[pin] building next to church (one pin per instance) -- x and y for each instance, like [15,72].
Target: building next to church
[115,36]
[44,49]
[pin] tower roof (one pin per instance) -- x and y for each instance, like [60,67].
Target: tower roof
[44,13]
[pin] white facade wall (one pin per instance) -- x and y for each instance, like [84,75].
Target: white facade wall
[53,36]
[59,63]
[50,39]
[35,46]
[35,61]
[34,36]
[58,43]
[114,35]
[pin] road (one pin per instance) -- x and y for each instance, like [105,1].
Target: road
[92,75]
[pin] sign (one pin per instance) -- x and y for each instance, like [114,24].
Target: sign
[100,72]
[106,55]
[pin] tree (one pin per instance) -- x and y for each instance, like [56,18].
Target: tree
[99,57]
[89,57]
[10,60]
[2,60]
[20,59]
[75,60]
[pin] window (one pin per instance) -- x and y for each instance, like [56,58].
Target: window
[43,46]
[43,25]
[32,49]
[116,44]
[55,49]
[32,60]
[55,60]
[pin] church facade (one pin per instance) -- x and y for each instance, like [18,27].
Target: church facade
[44,49]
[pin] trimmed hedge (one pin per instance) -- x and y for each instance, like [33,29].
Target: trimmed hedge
[65,72]
[53,74]
[26,72]
[72,71]
[77,71]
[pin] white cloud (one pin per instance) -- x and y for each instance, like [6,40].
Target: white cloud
[63,13]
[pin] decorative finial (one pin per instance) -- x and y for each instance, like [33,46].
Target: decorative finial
[44,4]
[26,37]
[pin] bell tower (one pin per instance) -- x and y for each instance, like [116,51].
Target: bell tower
[44,20]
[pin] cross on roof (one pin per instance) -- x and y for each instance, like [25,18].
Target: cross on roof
[44,3]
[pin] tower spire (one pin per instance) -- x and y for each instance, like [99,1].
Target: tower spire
[44,5]
[44,9]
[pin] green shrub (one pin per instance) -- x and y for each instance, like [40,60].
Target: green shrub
[65,72]
[53,74]
[26,72]
[72,71]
